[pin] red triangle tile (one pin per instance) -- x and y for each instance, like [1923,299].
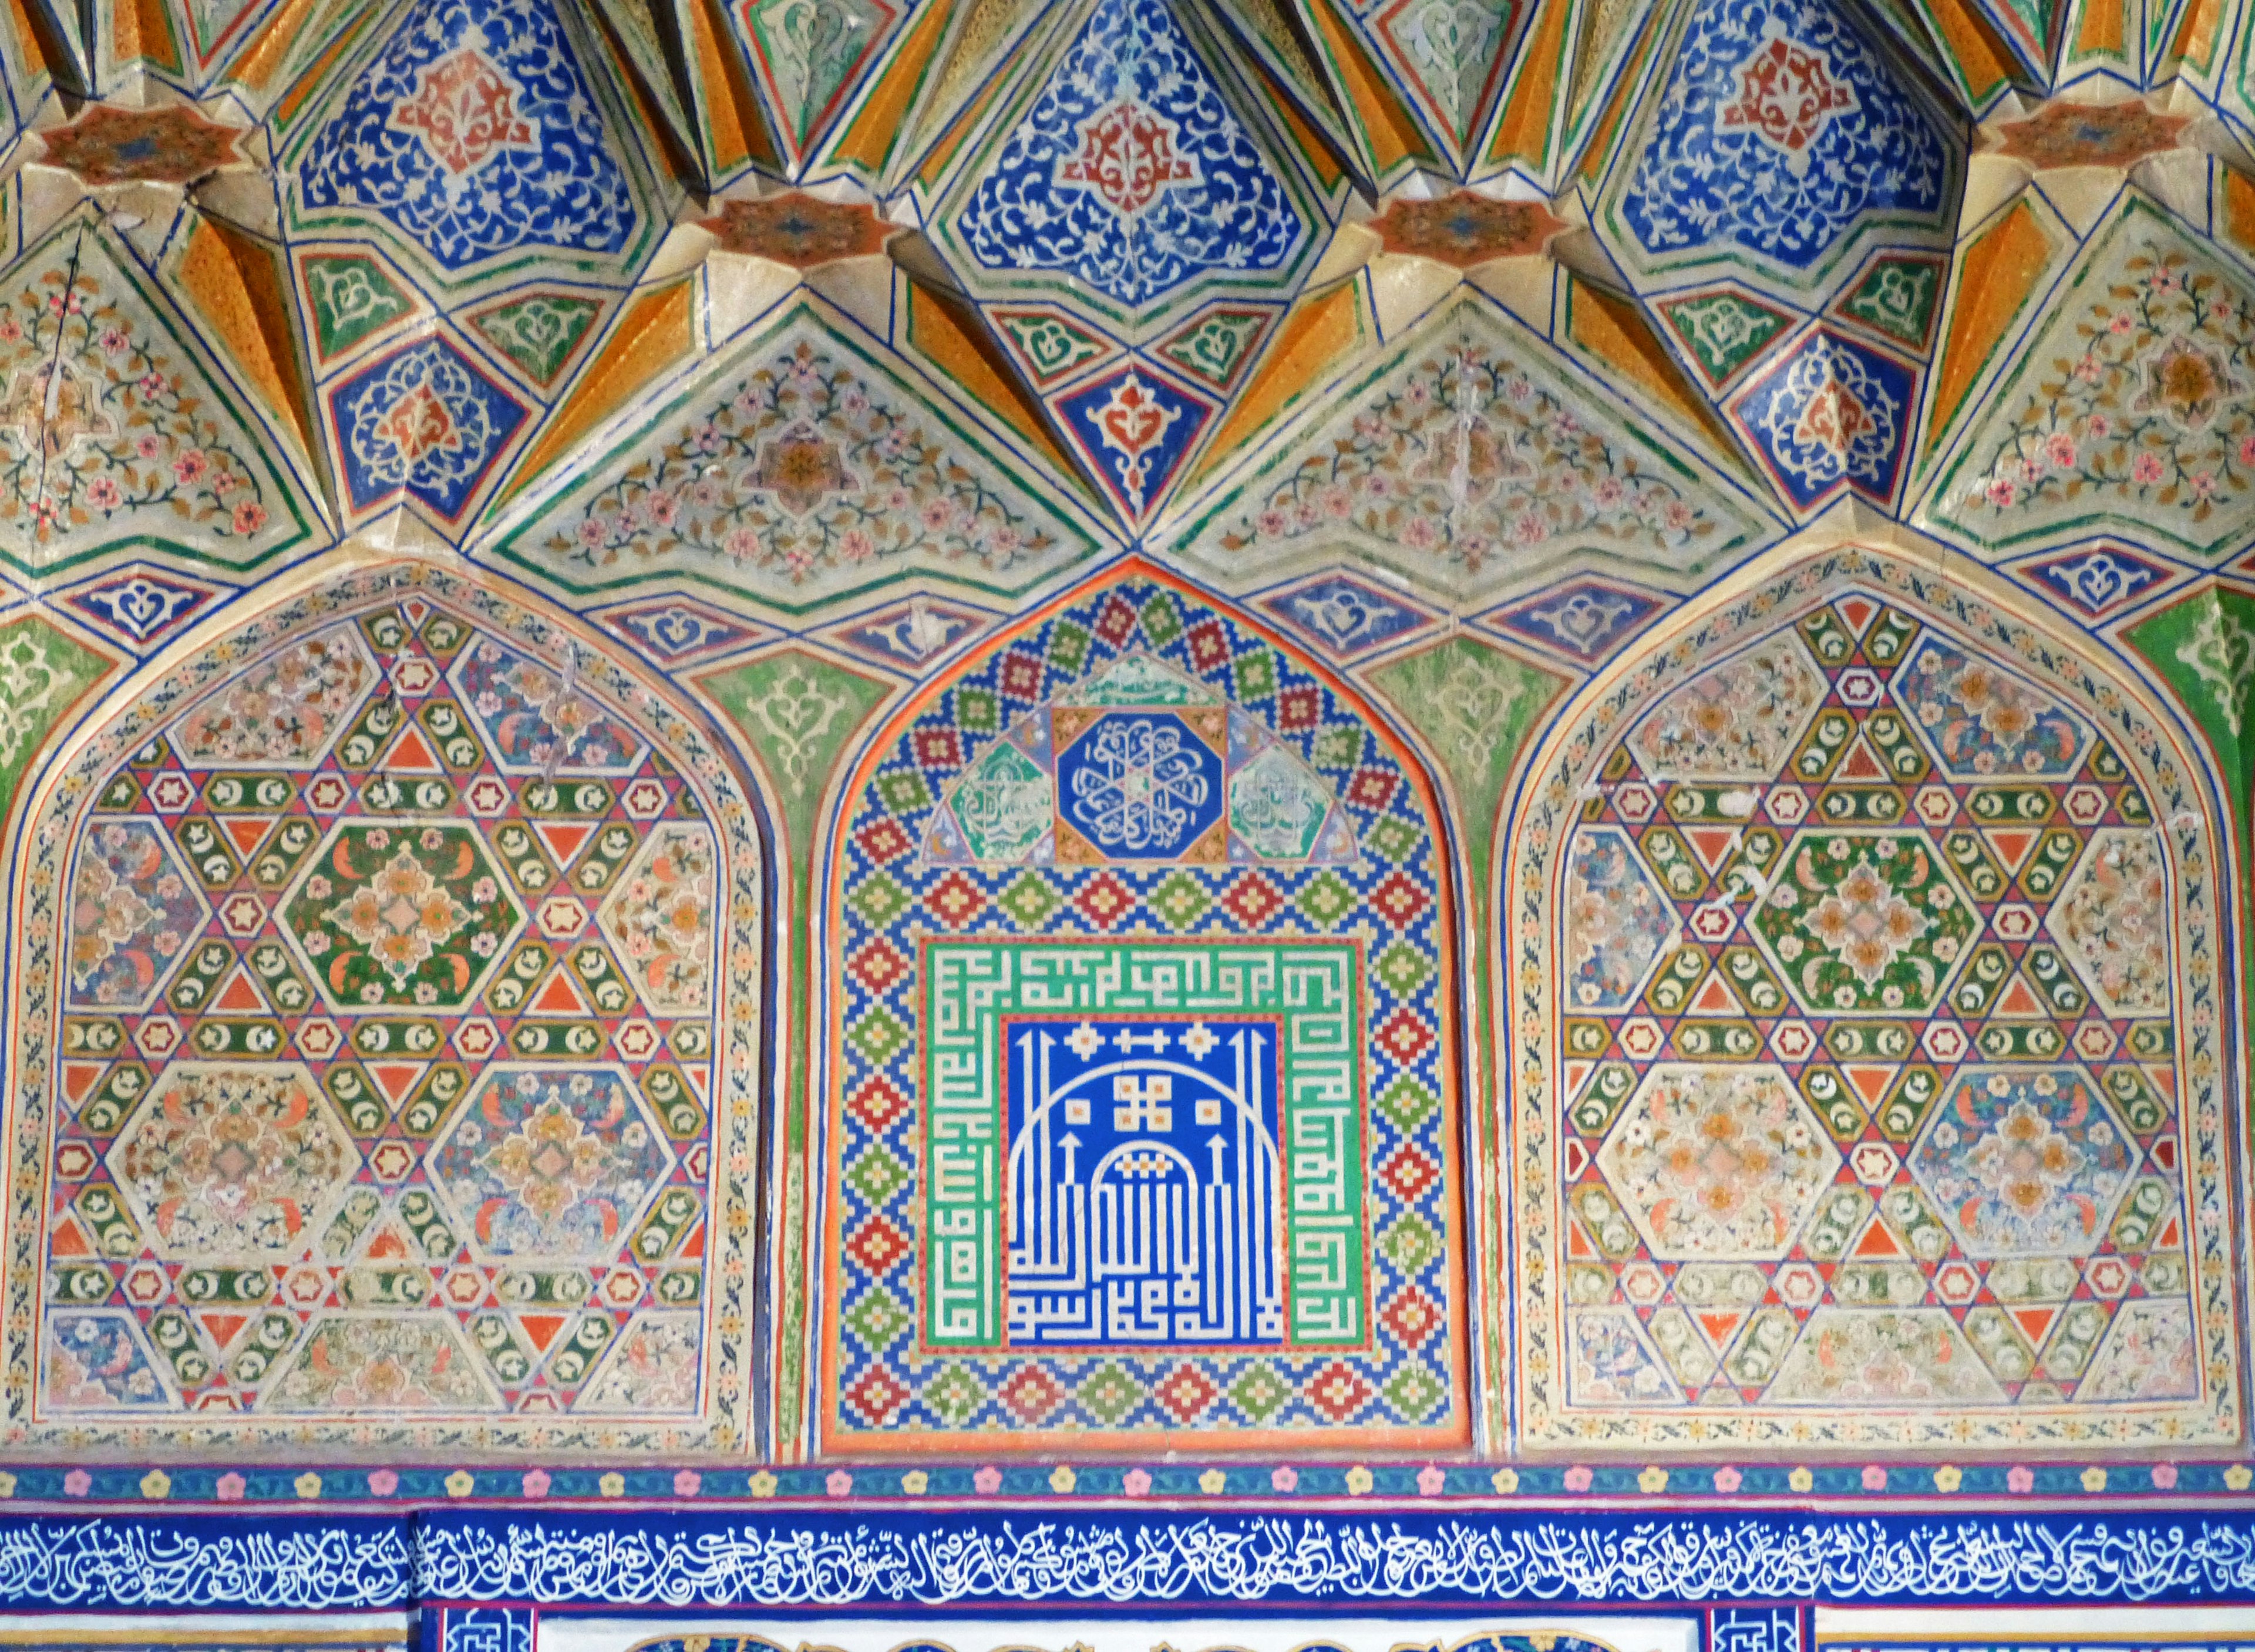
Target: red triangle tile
[1711,843]
[1858,612]
[564,838]
[2010,846]
[239,994]
[1876,1241]
[410,754]
[80,1077]
[2018,1002]
[1871,1082]
[2035,1323]
[558,995]
[245,831]
[396,1079]
[540,1329]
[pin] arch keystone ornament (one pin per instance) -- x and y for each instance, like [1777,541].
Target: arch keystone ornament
[1866,973]
[1142,1048]
[392,1066]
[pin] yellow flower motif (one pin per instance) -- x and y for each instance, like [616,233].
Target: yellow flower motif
[2094,1478]
[156,1484]
[460,1483]
[916,1483]
[1506,1481]
[1062,1478]
[1359,1480]
[615,1485]
[1212,1482]
[7,1485]
[309,1485]
[1801,1480]
[1652,1480]
[763,1483]
[2238,1477]
[1947,1478]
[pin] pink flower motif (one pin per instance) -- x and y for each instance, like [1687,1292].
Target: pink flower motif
[2002,492]
[2099,426]
[2203,484]
[101,494]
[2146,468]
[147,446]
[1432,1480]
[1728,1480]
[2020,1478]
[191,466]
[840,1484]
[987,1481]
[535,1482]
[1419,534]
[250,517]
[2060,452]
[1875,1478]
[77,1483]
[383,1482]
[2121,324]
[686,1482]
[11,330]
[1578,1478]
[229,1488]
[2247,450]
[2164,1476]
[1136,1483]
[152,384]
[1286,1477]
[1272,524]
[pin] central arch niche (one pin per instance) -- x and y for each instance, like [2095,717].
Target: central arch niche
[389,1047]
[1142,1069]
[1870,1086]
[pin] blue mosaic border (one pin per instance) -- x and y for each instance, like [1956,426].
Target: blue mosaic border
[859,1559]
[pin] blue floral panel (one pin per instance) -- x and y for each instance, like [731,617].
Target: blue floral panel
[1129,172]
[477,133]
[1779,130]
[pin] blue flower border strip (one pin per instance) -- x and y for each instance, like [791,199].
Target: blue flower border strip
[843,1559]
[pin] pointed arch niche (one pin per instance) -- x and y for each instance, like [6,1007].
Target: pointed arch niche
[387,983]
[1871,1089]
[1142,1054]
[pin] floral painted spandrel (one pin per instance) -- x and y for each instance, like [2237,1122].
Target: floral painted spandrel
[2135,407]
[801,470]
[110,430]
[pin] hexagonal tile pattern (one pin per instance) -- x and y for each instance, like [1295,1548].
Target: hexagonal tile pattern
[1617,923]
[2112,919]
[285,713]
[134,908]
[233,1163]
[659,918]
[1717,1164]
[1865,922]
[1737,721]
[1983,722]
[526,711]
[392,913]
[2025,1161]
[550,1165]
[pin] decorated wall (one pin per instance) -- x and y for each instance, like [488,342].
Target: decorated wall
[1299,825]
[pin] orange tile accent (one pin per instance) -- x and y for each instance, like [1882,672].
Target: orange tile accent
[731,113]
[1614,330]
[143,29]
[960,128]
[2099,34]
[1525,130]
[1311,143]
[2237,218]
[1319,333]
[1980,56]
[1387,127]
[869,142]
[1609,124]
[2195,41]
[960,347]
[2000,269]
[237,286]
[274,47]
[653,334]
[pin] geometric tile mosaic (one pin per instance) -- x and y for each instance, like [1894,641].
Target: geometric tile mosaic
[385,1042]
[1124,894]
[1871,1006]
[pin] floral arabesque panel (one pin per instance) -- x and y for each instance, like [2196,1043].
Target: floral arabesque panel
[388,1051]
[1868,1073]
[1142,1081]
